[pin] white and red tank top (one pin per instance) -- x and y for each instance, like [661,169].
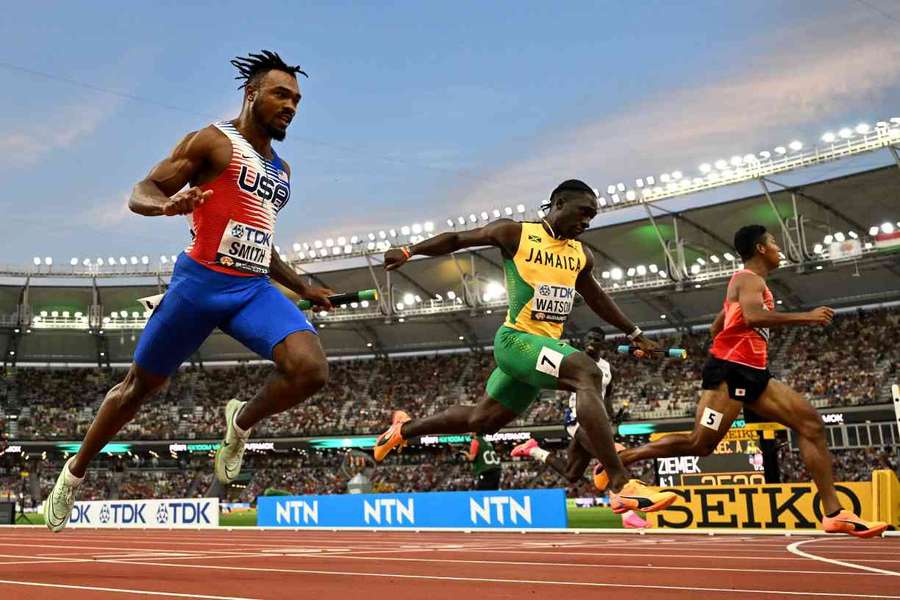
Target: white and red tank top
[233,231]
[738,342]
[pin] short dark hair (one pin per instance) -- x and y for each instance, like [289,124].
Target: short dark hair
[571,185]
[746,239]
[253,66]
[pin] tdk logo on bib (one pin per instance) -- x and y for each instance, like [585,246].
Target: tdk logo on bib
[552,302]
[264,187]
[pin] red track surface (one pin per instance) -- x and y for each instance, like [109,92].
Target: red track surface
[83,564]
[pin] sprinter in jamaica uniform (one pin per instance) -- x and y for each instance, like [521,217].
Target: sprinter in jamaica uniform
[545,265]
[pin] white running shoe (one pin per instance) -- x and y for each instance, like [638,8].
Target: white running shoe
[230,454]
[59,504]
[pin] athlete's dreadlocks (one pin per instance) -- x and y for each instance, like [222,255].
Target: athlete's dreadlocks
[253,66]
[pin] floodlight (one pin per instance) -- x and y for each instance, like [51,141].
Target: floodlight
[863,128]
[829,137]
[520,208]
[630,195]
[714,258]
[408,298]
[615,273]
[641,270]
[887,228]
[796,145]
[428,226]
[721,164]
[705,168]
[37,261]
[780,150]
[846,133]
[416,228]
[828,239]
[839,237]
[484,216]
[630,271]
[736,161]
[620,186]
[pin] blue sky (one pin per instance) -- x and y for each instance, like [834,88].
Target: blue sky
[416,110]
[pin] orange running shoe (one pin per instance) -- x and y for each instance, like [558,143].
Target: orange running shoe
[846,522]
[523,450]
[391,438]
[601,477]
[637,496]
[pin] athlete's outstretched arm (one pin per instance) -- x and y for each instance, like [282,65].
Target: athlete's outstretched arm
[282,272]
[158,193]
[603,305]
[502,233]
[750,289]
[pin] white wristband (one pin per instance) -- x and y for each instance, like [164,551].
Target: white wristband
[634,334]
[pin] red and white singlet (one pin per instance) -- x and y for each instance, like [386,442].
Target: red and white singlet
[233,231]
[738,342]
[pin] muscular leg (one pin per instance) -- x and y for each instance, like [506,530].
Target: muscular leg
[118,408]
[780,403]
[301,370]
[488,416]
[579,373]
[701,441]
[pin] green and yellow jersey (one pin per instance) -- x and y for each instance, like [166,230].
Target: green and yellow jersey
[540,281]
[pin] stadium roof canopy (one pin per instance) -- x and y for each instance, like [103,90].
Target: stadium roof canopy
[665,263]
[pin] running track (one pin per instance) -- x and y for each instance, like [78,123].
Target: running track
[243,564]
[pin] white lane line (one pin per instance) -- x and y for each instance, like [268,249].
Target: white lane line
[593,565]
[655,555]
[795,549]
[513,581]
[119,590]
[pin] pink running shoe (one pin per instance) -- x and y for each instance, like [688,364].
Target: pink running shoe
[524,449]
[632,520]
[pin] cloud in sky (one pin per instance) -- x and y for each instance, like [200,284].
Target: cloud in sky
[56,130]
[801,82]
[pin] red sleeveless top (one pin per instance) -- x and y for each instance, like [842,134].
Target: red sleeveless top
[738,342]
[233,232]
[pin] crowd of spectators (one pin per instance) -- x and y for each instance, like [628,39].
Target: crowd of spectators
[845,364]
[849,465]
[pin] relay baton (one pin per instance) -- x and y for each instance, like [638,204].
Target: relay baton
[679,353]
[341,299]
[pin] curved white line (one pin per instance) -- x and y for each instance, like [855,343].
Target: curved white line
[795,549]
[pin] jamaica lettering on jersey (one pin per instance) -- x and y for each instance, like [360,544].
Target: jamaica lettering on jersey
[233,232]
[738,342]
[540,281]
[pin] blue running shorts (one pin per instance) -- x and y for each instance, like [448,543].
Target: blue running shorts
[249,309]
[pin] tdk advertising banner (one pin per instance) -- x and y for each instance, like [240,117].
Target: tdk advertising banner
[512,509]
[164,514]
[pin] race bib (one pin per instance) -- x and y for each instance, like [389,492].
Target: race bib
[245,248]
[552,302]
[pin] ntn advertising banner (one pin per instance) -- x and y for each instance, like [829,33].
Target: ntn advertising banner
[513,509]
[190,513]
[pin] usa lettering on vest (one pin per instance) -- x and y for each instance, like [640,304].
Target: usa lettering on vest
[263,186]
[503,506]
[290,512]
[391,511]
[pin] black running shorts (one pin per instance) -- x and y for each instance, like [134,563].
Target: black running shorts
[745,384]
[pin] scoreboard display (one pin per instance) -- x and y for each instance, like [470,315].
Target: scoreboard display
[737,460]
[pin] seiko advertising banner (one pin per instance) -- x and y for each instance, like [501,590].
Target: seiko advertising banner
[778,506]
[513,509]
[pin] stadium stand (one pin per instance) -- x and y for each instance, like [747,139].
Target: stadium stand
[844,365]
